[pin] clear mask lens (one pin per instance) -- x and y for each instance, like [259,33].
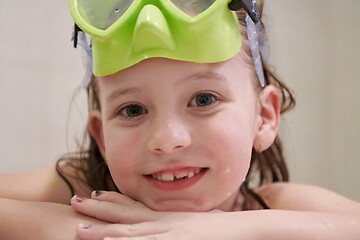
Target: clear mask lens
[102,14]
[193,7]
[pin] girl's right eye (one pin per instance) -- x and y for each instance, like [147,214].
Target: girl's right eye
[132,111]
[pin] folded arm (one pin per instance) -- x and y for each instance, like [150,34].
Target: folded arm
[39,220]
[308,213]
[35,205]
[42,185]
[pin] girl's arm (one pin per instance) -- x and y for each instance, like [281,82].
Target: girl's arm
[38,220]
[299,197]
[32,206]
[250,225]
[308,213]
[43,186]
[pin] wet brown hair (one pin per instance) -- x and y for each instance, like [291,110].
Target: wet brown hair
[266,167]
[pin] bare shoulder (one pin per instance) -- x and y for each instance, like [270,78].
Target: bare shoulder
[291,196]
[43,185]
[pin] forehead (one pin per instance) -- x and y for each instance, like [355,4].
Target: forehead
[162,71]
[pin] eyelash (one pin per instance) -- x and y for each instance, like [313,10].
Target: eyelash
[124,111]
[214,99]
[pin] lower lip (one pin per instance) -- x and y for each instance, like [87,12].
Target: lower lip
[176,185]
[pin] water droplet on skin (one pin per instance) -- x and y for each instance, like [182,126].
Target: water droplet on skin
[170,126]
[245,154]
[176,131]
[227,170]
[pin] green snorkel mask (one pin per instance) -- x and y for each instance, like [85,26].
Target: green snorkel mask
[125,32]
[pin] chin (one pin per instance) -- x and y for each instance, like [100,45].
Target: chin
[180,207]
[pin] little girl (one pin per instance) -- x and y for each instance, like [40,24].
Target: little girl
[184,114]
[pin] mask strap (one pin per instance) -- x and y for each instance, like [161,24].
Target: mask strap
[80,39]
[256,34]
[258,45]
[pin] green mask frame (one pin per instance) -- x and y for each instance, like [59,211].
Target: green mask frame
[125,32]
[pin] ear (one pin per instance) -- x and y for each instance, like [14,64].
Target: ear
[270,100]
[95,129]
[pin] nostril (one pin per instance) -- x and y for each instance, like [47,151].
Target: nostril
[158,150]
[178,147]
[168,149]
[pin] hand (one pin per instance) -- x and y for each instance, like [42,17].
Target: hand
[134,219]
[115,208]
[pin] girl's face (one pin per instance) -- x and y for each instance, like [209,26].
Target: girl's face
[178,136]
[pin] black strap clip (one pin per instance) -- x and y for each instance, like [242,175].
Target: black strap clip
[75,37]
[249,6]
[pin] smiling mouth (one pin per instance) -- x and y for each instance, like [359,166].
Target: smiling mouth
[174,180]
[170,177]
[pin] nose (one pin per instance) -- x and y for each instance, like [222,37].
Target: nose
[169,137]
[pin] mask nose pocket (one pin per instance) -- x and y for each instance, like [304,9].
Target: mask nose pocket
[193,7]
[102,14]
[152,31]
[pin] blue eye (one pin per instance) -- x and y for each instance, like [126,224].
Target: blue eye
[203,100]
[132,111]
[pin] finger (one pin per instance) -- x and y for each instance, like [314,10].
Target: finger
[148,237]
[113,212]
[95,232]
[113,197]
[107,211]
[216,211]
[128,203]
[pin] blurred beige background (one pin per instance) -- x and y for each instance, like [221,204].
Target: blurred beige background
[314,48]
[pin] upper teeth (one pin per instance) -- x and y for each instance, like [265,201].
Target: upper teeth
[168,177]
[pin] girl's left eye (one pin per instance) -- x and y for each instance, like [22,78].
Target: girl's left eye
[203,100]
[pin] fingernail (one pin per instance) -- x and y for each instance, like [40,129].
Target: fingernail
[79,198]
[84,226]
[97,193]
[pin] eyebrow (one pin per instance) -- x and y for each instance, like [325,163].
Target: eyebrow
[121,91]
[206,75]
[198,75]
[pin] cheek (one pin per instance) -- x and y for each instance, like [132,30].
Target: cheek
[233,128]
[122,153]
[230,138]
